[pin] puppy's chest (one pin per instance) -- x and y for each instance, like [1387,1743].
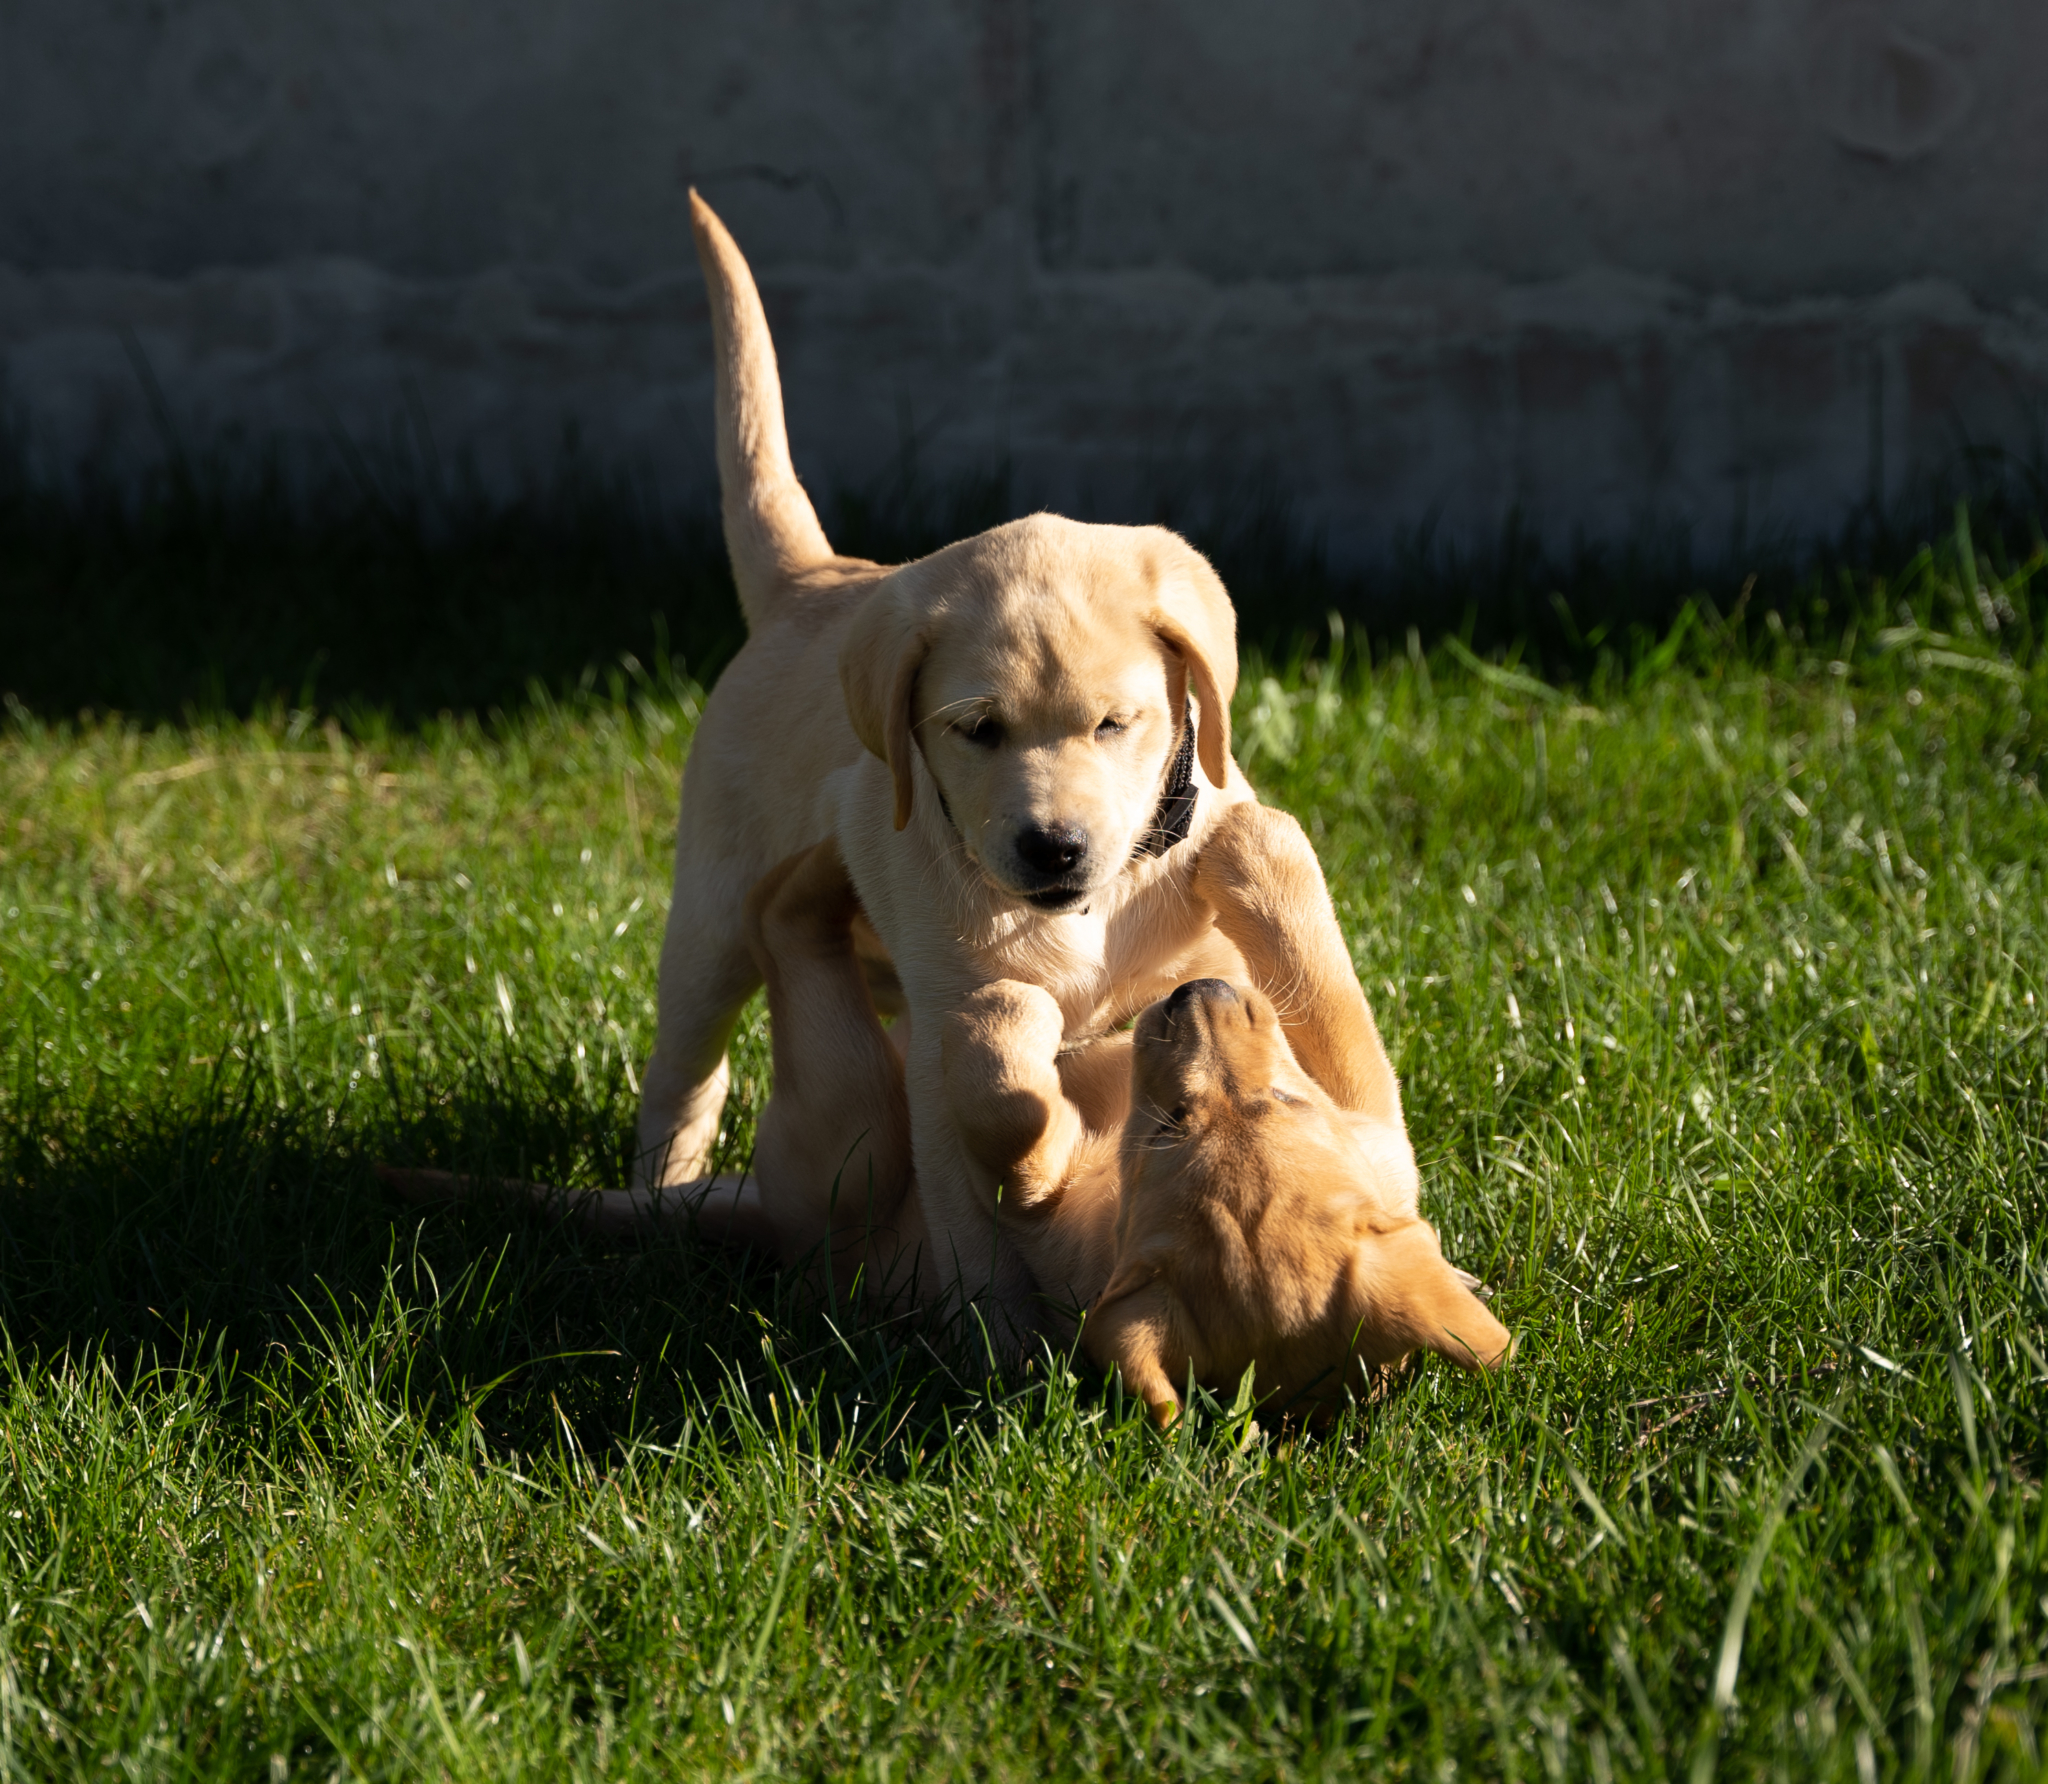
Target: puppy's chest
[1068,959]
[1102,970]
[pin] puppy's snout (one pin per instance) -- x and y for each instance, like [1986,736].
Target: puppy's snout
[1051,851]
[1200,991]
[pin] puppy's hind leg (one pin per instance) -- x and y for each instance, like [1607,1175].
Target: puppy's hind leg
[832,1149]
[707,975]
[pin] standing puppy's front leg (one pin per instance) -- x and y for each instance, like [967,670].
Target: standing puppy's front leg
[1048,1173]
[1001,1050]
[1005,1160]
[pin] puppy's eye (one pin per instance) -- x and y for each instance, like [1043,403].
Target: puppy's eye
[1110,727]
[1284,1096]
[982,731]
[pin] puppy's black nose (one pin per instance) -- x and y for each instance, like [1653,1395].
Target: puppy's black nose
[1053,850]
[1182,996]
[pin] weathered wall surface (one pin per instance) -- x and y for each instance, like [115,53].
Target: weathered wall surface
[1706,260]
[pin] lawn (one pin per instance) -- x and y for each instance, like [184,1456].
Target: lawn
[1715,981]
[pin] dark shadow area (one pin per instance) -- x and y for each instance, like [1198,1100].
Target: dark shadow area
[219,590]
[196,601]
[255,1244]
[1592,607]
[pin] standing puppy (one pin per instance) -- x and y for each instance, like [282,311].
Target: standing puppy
[1018,743]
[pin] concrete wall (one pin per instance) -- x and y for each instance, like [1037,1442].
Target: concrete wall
[1605,260]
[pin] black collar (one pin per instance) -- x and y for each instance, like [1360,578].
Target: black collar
[1176,814]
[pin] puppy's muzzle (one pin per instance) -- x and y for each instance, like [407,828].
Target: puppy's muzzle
[1183,1018]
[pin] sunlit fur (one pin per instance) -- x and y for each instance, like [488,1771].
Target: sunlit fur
[1262,1227]
[1191,1184]
[1038,674]
[1207,1200]
[834,719]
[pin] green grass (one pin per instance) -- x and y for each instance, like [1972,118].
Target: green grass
[1716,983]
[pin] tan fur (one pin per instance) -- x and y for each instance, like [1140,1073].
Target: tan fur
[847,714]
[1189,1185]
[1256,1231]
[1265,1190]
[857,825]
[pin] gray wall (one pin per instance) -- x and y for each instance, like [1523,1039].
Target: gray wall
[1605,260]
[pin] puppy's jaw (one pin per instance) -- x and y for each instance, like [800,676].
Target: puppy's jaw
[996,848]
[998,898]
[1028,903]
[1057,900]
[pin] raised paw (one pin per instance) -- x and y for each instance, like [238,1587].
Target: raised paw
[1254,855]
[999,1052]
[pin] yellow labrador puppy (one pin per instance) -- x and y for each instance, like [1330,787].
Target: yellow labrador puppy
[1018,743]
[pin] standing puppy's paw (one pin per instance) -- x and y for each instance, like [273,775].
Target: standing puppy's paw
[998,1052]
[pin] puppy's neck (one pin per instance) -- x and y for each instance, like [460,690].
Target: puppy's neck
[948,928]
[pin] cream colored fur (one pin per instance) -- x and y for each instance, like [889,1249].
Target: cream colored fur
[939,720]
[1213,1205]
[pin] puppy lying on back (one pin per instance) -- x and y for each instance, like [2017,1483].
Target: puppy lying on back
[1211,1204]
[1266,1191]
[1258,1229]
[1188,1183]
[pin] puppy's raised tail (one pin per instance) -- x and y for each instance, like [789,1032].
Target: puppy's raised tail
[771,529]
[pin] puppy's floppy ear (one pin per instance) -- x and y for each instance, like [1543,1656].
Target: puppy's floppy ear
[1194,618]
[1403,1296]
[878,667]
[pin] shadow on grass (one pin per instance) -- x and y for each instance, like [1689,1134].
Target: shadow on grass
[220,590]
[257,1248]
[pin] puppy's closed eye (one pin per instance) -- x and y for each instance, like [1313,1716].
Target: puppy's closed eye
[981,730]
[1287,1096]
